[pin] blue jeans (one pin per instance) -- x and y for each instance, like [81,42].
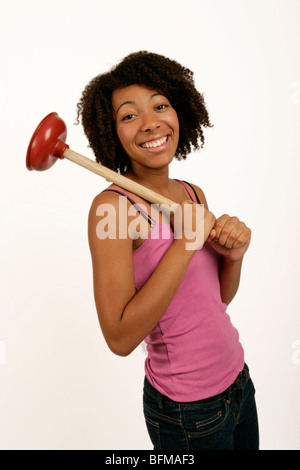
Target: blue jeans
[227,421]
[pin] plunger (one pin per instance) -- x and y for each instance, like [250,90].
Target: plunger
[48,143]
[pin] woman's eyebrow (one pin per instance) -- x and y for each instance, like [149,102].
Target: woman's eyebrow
[123,104]
[133,102]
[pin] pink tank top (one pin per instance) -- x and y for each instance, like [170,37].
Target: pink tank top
[194,351]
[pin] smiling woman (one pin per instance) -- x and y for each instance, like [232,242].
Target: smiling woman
[158,73]
[146,125]
[155,286]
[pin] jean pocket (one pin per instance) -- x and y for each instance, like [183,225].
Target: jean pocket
[153,431]
[207,420]
[210,424]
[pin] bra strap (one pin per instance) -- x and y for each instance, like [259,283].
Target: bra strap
[194,197]
[134,203]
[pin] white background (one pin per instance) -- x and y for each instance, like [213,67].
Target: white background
[60,386]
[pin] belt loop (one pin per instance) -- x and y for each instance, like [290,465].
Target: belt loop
[226,396]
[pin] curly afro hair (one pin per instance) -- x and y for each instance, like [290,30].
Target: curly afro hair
[156,72]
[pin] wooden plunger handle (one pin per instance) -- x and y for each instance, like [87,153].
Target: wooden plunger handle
[118,179]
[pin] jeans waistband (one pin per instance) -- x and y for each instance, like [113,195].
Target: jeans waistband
[244,374]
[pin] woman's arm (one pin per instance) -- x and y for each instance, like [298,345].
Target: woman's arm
[231,238]
[230,274]
[126,316]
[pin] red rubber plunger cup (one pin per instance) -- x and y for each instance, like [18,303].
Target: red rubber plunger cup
[47,143]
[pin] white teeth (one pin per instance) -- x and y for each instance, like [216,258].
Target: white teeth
[155,143]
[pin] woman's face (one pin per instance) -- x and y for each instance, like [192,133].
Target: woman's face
[146,124]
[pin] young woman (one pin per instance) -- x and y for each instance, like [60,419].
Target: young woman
[147,285]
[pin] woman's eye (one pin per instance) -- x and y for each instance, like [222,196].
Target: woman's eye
[128,117]
[161,106]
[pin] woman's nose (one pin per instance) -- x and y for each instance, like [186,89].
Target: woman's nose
[149,122]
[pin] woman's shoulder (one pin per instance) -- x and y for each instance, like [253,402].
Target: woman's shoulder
[199,192]
[112,198]
[105,197]
[108,195]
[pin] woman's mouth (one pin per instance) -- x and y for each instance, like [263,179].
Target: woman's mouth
[155,144]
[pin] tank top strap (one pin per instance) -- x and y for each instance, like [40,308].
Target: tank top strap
[137,206]
[194,195]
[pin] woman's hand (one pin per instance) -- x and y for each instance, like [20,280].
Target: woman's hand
[230,237]
[192,224]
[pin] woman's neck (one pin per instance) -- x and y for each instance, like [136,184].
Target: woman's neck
[156,180]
